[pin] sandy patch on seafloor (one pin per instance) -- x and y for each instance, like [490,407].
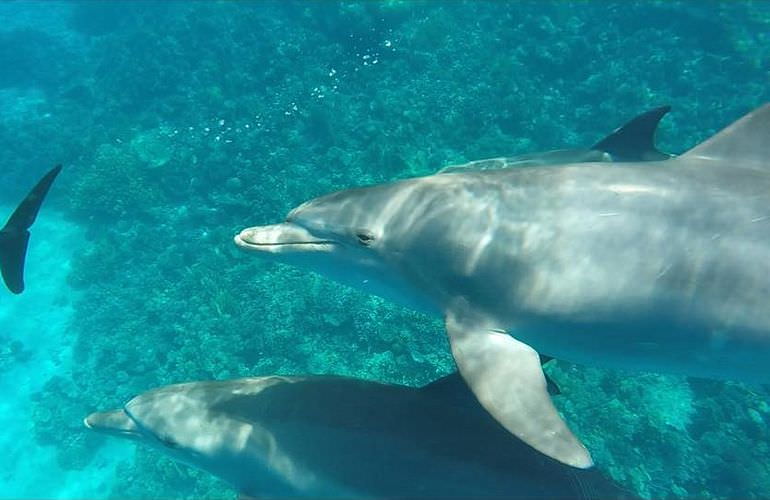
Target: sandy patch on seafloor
[38,318]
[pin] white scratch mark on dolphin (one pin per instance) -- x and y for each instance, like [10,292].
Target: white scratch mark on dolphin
[631,188]
[663,271]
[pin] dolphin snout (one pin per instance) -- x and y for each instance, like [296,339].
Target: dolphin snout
[261,236]
[114,423]
[279,238]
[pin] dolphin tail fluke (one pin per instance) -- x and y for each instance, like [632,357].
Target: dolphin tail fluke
[635,141]
[14,236]
[746,140]
[506,377]
[26,213]
[13,251]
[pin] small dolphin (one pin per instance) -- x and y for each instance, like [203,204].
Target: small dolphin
[338,437]
[658,266]
[633,141]
[14,236]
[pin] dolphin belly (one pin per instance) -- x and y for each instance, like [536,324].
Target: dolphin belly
[653,346]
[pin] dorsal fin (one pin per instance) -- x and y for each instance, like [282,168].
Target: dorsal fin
[746,140]
[635,141]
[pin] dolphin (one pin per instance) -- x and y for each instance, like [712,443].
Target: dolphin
[339,437]
[657,266]
[14,236]
[633,141]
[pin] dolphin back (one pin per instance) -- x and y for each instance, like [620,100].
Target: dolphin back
[745,141]
[631,142]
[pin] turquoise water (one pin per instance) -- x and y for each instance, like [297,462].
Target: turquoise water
[179,123]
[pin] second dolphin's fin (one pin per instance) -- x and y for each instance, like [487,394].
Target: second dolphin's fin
[635,141]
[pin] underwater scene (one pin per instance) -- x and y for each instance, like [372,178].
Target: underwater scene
[178,124]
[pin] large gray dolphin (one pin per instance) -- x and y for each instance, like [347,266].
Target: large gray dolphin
[661,266]
[336,437]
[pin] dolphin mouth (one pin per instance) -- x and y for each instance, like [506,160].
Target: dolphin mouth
[281,238]
[113,423]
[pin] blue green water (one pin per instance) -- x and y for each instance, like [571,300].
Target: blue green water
[179,123]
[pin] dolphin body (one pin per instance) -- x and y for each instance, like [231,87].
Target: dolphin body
[633,141]
[14,236]
[338,437]
[659,266]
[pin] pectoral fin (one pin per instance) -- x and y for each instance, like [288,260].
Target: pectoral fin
[506,377]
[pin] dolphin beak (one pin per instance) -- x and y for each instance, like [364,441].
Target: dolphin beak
[113,423]
[281,238]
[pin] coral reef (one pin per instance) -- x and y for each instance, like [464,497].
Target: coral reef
[181,122]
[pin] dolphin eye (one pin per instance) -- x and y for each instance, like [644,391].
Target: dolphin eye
[364,237]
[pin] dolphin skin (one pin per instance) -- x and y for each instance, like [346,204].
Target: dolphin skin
[338,437]
[14,236]
[657,266]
